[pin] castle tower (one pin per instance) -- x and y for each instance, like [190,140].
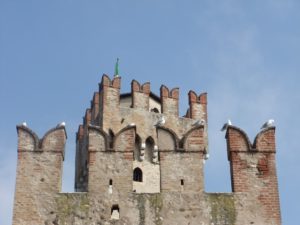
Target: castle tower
[39,174]
[253,169]
[139,162]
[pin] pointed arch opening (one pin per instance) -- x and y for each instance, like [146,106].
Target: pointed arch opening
[111,138]
[137,153]
[149,149]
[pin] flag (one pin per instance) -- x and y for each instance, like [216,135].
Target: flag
[117,68]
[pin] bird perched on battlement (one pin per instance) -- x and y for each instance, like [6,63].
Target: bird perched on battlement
[206,156]
[225,126]
[161,121]
[24,124]
[267,124]
[199,122]
[62,124]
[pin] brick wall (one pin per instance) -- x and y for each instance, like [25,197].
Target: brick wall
[253,169]
[39,174]
[169,100]
[172,166]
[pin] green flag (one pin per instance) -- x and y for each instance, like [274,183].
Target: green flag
[117,68]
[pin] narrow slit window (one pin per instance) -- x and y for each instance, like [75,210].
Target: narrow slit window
[110,182]
[182,182]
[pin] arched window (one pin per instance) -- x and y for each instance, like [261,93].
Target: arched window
[149,149]
[137,175]
[136,152]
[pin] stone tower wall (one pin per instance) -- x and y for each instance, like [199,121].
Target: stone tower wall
[116,138]
[39,174]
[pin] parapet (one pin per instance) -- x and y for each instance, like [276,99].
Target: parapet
[140,95]
[109,97]
[198,106]
[106,104]
[253,169]
[53,141]
[169,100]
[95,109]
[107,82]
[238,141]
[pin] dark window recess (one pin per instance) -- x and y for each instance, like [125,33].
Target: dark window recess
[182,182]
[115,207]
[111,138]
[138,175]
[110,182]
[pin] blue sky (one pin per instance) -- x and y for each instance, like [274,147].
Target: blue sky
[245,54]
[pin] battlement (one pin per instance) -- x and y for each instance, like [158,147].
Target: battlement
[169,100]
[141,97]
[53,141]
[139,162]
[238,140]
[107,82]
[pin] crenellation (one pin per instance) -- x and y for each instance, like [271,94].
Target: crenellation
[95,109]
[27,139]
[107,82]
[110,102]
[140,95]
[265,140]
[169,100]
[138,162]
[80,133]
[198,106]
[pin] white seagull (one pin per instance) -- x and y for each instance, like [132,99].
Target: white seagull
[267,124]
[225,126]
[161,121]
[24,124]
[62,124]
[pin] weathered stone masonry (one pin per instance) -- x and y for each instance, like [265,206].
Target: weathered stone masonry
[132,170]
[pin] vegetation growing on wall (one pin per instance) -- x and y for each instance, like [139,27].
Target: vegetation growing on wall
[70,206]
[222,209]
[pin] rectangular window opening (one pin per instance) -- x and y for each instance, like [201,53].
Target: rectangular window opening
[110,182]
[182,182]
[115,212]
